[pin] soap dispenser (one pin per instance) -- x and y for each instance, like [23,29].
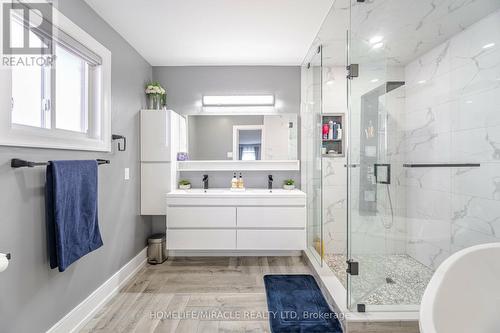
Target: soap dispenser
[241,183]
[234,181]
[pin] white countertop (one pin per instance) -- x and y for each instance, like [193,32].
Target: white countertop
[225,192]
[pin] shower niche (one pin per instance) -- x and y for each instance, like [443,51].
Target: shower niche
[332,135]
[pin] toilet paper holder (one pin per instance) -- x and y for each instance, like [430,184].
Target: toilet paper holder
[4,261]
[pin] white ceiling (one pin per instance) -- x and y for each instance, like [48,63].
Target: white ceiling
[216,32]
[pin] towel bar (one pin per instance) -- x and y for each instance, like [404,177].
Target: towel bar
[442,165]
[18,163]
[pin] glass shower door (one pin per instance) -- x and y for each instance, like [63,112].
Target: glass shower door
[374,238]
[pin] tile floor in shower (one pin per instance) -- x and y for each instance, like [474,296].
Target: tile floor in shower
[383,279]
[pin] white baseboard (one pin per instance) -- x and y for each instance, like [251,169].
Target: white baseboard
[234,253]
[76,319]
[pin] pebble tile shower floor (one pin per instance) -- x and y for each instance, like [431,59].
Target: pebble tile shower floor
[383,279]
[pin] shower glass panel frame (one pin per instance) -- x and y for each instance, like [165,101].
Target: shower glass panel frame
[311,122]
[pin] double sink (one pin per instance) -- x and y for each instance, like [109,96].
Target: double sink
[229,192]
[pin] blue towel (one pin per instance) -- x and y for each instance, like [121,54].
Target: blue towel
[71,211]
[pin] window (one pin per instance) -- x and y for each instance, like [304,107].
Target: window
[248,153]
[27,81]
[71,91]
[64,104]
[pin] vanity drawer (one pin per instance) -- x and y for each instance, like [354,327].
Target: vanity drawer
[271,239]
[271,217]
[201,217]
[193,239]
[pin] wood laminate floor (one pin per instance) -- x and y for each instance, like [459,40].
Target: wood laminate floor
[195,295]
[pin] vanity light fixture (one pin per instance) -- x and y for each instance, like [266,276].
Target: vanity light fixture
[421,82]
[239,100]
[487,46]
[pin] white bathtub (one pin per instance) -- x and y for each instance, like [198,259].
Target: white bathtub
[463,295]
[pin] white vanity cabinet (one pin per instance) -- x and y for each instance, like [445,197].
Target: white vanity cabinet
[224,220]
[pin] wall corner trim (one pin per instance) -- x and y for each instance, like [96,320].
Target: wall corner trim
[76,319]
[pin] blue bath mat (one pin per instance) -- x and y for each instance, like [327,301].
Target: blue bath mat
[296,305]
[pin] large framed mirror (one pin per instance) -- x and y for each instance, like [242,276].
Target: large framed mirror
[242,137]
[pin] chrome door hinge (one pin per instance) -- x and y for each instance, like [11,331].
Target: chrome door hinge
[352,71]
[46,105]
[352,267]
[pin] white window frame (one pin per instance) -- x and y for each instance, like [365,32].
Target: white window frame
[27,136]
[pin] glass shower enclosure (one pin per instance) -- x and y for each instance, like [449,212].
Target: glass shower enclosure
[422,157]
[420,176]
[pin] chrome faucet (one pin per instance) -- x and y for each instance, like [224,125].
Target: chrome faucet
[205,182]
[270,182]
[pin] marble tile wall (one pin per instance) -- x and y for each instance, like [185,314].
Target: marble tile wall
[452,116]
[334,172]
[334,205]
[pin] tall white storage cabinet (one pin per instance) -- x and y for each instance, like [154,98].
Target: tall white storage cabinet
[163,135]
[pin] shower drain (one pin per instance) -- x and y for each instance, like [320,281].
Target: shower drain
[389,280]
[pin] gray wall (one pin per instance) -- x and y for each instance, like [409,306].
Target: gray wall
[211,137]
[33,297]
[186,85]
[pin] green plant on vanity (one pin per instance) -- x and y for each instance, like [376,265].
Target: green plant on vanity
[289,184]
[184,184]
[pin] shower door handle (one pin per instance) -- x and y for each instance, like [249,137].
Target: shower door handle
[385,177]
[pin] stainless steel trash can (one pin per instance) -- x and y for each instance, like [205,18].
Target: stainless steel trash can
[157,249]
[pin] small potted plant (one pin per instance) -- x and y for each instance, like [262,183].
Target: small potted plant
[289,184]
[184,184]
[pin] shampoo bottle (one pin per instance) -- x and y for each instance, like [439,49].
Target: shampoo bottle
[326,128]
[330,130]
